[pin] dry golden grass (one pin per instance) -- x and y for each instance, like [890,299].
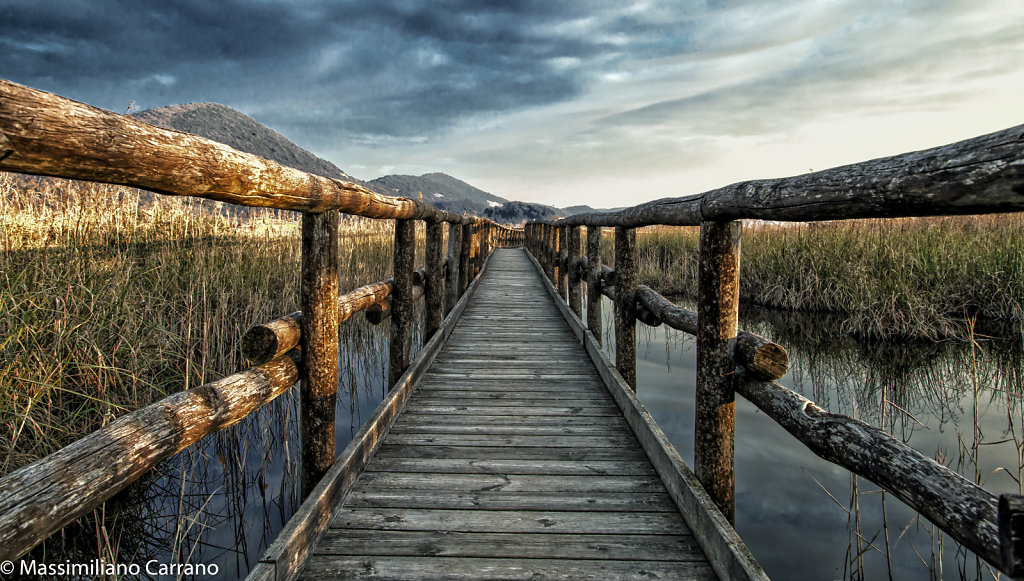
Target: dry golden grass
[113,298]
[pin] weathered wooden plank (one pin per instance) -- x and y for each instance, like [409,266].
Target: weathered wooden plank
[508,453]
[560,441]
[509,429]
[492,466]
[497,545]
[595,501]
[574,411]
[319,342]
[38,499]
[728,555]
[296,540]
[447,568]
[509,521]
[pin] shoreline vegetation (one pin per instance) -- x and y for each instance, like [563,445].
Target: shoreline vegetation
[907,279]
[114,298]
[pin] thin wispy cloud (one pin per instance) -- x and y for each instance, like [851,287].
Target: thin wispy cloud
[582,102]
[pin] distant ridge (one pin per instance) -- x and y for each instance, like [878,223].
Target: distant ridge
[438,189]
[236,129]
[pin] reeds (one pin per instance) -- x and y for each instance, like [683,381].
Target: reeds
[112,298]
[909,278]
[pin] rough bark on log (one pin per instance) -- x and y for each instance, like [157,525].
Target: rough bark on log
[764,359]
[434,283]
[319,342]
[400,353]
[452,284]
[1011,534]
[718,291]
[39,499]
[44,134]
[962,509]
[625,304]
[381,311]
[594,282]
[975,176]
[270,340]
[575,284]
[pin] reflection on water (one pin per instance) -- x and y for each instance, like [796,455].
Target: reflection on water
[224,500]
[805,518]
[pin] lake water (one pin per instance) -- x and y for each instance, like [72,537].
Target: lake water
[223,501]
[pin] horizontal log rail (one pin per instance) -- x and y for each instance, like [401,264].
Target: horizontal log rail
[975,176]
[44,134]
[962,509]
[39,499]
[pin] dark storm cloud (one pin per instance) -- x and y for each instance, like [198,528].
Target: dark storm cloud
[364,70]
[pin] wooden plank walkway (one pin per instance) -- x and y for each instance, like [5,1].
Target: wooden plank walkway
[509,461]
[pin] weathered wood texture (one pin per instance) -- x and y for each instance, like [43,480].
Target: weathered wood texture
[434,285]
[594,281]
[42,133]
[625,304]
[510,461]
[1011,534]
[563,262]
[727,553]
[975,176]
[319,341]
[963,510]
[299,537]
[452,289]
[575,280]
[718,290]
[759,356]
[270,340]
[402,308]
[465,258]
[382,311]
[39,499]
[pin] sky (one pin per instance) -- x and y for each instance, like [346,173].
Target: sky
[561,102]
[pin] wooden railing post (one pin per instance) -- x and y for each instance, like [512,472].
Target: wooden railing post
[464,255]
[452,285]
[575,280]
[319,377]
[434,288]
[401,300]
[563,262]
[550,245]
[594,281]
[625,304]
[717,318]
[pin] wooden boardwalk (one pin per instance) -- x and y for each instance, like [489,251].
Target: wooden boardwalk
[510,460]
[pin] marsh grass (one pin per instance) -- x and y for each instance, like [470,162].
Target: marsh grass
[113,298]
[910,278]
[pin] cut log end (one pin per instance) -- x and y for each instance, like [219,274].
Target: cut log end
[262,343]
[769,362]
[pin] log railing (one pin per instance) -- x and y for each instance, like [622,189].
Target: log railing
[43,134]
[976,176]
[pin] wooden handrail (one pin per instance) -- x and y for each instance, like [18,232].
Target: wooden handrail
[39,499]
[975,176]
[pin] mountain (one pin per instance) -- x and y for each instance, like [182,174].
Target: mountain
[522,212]
[232,127]
[440,190]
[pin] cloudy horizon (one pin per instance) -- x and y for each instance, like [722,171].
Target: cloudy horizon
[599,102]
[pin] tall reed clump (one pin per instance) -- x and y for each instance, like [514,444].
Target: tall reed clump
[113,298]
[916,278]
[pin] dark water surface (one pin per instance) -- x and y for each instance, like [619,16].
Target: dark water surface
[224,500]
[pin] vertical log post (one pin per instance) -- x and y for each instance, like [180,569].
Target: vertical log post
[401,300]
[717,315]
[551,240]
[575,280]
[594,281]
[625,304]
[434,291]
[1011,534]
[464,255]
[563,263]
[452,285]
[319,376]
